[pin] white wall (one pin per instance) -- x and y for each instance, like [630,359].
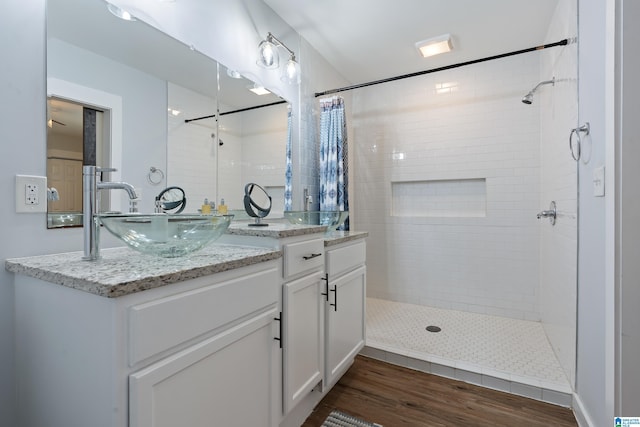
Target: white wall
[230,161]
[144,106]
[264,138]
[405,132]
[191,147]
[22,83]
[253,150]
[628,197]
[592,293]
[558,244]
[237,27]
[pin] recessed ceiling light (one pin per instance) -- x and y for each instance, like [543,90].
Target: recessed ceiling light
[435,45]
[120,13]
[258,90]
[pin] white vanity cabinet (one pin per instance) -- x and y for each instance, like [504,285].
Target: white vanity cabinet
[224,379]
[302,314]
[199,352]
[345,329]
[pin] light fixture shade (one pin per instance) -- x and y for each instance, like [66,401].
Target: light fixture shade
[291,72]
[258,90]
[435,46]
[233,74]
[268,55]
[120,13]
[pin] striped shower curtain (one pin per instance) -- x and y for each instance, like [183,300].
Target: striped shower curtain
[333,157]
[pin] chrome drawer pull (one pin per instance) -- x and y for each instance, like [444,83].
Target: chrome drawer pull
[307,257]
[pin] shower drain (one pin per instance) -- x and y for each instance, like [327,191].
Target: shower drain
[433,328]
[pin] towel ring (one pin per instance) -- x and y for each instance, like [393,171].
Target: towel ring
[155,176]
[576,152]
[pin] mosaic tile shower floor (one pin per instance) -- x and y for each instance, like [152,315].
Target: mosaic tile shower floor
[508,354]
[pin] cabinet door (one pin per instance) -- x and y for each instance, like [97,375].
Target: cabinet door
[345,322]
[303,338]
[225,380]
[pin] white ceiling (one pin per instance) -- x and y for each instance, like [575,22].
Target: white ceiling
[368,40]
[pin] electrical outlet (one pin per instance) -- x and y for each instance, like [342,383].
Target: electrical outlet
[31,193]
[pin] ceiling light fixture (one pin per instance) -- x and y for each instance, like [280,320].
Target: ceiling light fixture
[269,58]
[233,74]
[120,13]
[258,90]
[435,45]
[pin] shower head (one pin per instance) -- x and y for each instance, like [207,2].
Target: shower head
[528,98]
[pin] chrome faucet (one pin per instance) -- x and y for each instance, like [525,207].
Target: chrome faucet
[546,214]
[552,213]
[90,223]
[307,199]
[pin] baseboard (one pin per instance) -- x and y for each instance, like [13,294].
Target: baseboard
[581,413]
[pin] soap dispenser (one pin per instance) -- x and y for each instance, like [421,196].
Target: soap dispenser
[206,207]
[222,208]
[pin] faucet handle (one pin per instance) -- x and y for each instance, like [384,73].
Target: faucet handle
[100,170]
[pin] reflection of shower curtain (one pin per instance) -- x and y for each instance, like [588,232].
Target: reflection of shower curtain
[287,179]
[333,156]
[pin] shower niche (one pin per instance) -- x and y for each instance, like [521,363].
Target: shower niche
[450,198]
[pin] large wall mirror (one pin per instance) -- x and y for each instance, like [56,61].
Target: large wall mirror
[253,131]
[160,86]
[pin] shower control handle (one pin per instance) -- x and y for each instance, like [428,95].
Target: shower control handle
[552,213]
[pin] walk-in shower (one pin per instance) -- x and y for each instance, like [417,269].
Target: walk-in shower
[448,185]
[528,98]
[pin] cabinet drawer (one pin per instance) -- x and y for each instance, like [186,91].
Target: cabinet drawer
[346,258]
[302,257]
[167,322]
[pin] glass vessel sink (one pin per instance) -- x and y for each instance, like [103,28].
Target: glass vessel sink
[166,235]
[332,219]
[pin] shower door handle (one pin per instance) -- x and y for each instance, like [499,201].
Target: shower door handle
[552,213]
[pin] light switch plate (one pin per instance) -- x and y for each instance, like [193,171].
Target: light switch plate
[31,193]
[598,182]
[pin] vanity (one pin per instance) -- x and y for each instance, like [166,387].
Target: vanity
[250,331]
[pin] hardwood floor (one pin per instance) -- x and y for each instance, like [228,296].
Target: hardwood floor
[393,396]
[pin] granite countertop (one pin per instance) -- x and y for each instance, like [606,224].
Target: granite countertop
[337,237]
[122,271]
[275,229]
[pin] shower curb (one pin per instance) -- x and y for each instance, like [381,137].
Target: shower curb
[545,391]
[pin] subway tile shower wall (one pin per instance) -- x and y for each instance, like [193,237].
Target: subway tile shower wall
[459,126]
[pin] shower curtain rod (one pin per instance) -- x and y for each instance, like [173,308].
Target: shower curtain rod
[446,67]
[236,111]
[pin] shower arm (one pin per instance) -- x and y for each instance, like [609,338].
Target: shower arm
[546,82]
[528,98]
